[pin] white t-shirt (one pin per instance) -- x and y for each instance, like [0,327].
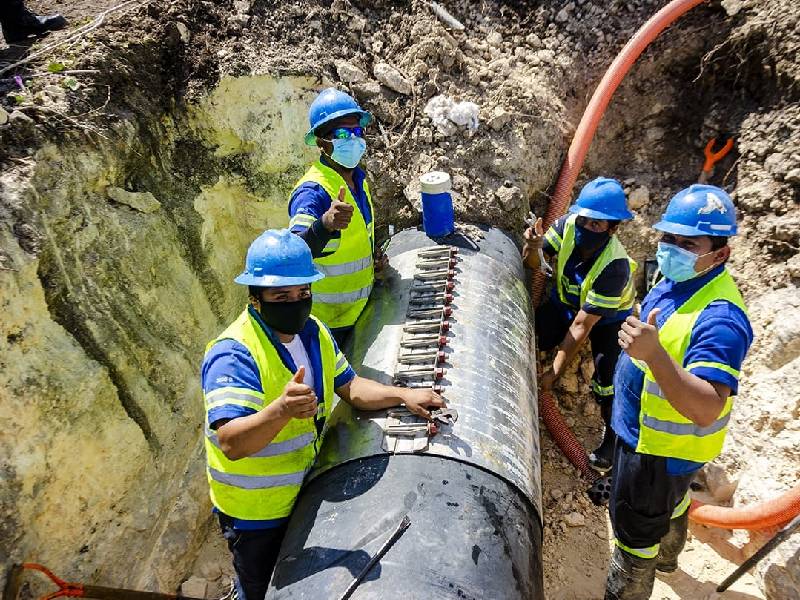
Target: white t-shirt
[300,357]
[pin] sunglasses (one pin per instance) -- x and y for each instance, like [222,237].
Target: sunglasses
[343,133]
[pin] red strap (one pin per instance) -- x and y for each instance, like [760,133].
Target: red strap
[65,589]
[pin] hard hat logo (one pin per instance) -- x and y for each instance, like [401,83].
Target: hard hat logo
[712,203]
[699,210]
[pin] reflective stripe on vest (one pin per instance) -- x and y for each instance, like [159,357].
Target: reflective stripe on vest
[653,389]
[265,484]
[553,238]
[663,430]
[342,295]
[257,482]
[354,266]
[273,448]
[614,250]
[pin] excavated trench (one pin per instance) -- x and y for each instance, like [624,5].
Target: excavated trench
[123,228]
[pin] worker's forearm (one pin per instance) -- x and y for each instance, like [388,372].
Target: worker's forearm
[576,336]
[244,436]
[365,394]
[316,237]
[694,398]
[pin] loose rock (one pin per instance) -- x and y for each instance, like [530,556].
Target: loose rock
[575,519]
[639,198]
[391,78]
[349,73]
[494,39]
[194,587]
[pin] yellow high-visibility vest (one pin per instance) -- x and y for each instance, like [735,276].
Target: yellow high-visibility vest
[614,250]
[265,485]
[663,430]
[349,270]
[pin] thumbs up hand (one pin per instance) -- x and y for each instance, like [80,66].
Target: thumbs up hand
[640,340]
[298,400]
[338,216]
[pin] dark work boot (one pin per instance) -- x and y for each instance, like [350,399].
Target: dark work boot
[603,456]
[672,544]
[629,577]
[18,22]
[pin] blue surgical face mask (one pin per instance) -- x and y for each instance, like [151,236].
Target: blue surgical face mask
[676,263]
[348,152]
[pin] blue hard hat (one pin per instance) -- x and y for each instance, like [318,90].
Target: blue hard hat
[276,258]
[330,105]
[699,210]
[602,198]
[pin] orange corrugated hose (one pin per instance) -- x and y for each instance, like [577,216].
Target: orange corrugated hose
[764,515]
[563,435]
[760,516]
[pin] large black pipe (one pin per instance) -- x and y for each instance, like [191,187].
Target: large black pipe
[473,496]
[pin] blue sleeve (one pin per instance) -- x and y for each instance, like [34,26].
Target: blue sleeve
[229,365]
[720,340]
[308,203]
[343,372]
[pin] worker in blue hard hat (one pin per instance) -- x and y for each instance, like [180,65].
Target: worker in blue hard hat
[592,295]
[674,385]
[269,381]
[331,209]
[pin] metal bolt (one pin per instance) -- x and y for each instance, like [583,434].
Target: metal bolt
[427,327]
[410,359]
[427,298]
[418,286]
[437,251]
[442,274]
[430,312]
[423,341]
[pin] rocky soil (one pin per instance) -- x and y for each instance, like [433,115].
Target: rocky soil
[140,157]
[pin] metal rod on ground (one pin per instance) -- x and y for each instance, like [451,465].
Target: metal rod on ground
[107,593]
[784,533]
[79,590]
[401,529]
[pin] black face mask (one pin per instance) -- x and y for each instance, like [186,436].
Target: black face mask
[589,240]
[286,317]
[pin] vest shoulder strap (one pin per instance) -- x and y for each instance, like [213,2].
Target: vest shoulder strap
[331,181]
[324,176]
[232,331]
[677,330]
[614,250]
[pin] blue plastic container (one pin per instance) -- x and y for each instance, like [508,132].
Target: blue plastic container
[437,204]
